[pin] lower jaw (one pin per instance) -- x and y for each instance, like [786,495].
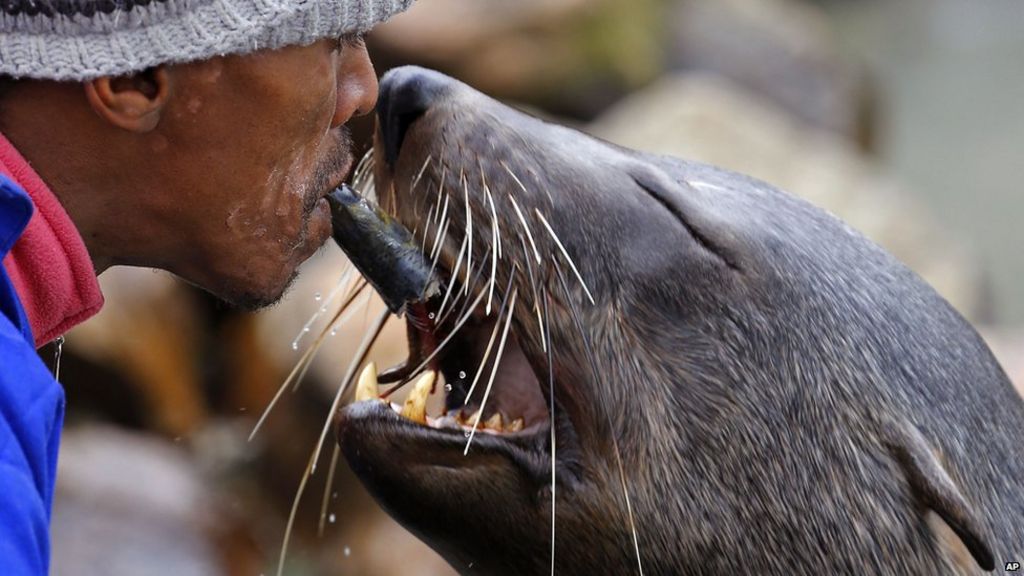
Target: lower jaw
[367,427]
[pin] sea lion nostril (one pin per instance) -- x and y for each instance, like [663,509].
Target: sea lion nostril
[405,94]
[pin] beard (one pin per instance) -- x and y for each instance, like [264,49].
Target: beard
[324,177]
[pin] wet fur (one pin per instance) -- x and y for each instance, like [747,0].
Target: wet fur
[789,398]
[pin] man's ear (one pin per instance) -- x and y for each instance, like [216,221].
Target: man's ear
[135,102]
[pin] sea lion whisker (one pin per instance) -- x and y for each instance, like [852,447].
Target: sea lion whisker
[514,177]
[348,313]
[291,515]
[423,364]
[360,356]
[515,205]
[363,169]
[574,312]
[629,505]
[435,256]
[526,227]
[423,170]
[496,225]
[494,368]
[394,201]
[332,468]
[454,276]
[494,271]
[426,227]
[469,232]
[545,331]
[342,281]
[435,208]
[364,307]
[363,180]
[490,344]
[459,295]
[565,253]
[442,225]
[476,279]
[536,298]
[299,370]
[370,192]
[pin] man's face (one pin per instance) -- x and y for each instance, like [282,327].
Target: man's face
[244,154]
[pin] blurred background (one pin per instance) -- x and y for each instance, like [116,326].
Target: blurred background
[904,118]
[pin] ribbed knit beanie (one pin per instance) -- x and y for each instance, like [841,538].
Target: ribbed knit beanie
[86,39]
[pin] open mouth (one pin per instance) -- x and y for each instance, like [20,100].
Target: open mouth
[480,378]
[467,378]
[477,389]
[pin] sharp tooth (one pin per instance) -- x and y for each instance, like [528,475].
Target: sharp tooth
[415,407]
[472,419]
[366,389]
[516,425]
[446,422]
[494,422]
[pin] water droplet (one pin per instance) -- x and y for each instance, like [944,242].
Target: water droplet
[334,331]
[317,297]
[348,551]
[331,518]
[447,387]
[462,374]
[305,330]
[431,315]
[466,433]
[334,496]
[295,345]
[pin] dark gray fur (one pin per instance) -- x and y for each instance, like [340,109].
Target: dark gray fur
[788,398]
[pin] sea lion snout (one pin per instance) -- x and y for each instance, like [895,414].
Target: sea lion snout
[405,95]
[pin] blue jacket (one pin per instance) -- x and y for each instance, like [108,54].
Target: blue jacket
[31,416]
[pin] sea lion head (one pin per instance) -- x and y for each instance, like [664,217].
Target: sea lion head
[658,316]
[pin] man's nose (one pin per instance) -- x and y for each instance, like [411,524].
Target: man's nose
[357,85]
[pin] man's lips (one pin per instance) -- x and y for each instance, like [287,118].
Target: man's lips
[336,179]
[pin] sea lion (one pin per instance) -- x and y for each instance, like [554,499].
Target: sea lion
[737,382]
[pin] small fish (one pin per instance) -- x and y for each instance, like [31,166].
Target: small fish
[383,250]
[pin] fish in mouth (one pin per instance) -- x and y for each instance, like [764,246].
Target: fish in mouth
[654,366]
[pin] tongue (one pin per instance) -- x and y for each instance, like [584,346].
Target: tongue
[419,348]
[515,391]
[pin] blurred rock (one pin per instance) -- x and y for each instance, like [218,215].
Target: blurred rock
[571,57]
[128,504]
[782,50]
[148,330]
[198,374]
[713,120]
[574,58]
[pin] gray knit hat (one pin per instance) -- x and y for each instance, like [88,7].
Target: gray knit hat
[86,39]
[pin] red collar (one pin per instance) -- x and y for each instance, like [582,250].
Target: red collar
[49,265]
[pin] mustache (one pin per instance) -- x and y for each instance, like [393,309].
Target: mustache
[326,171]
